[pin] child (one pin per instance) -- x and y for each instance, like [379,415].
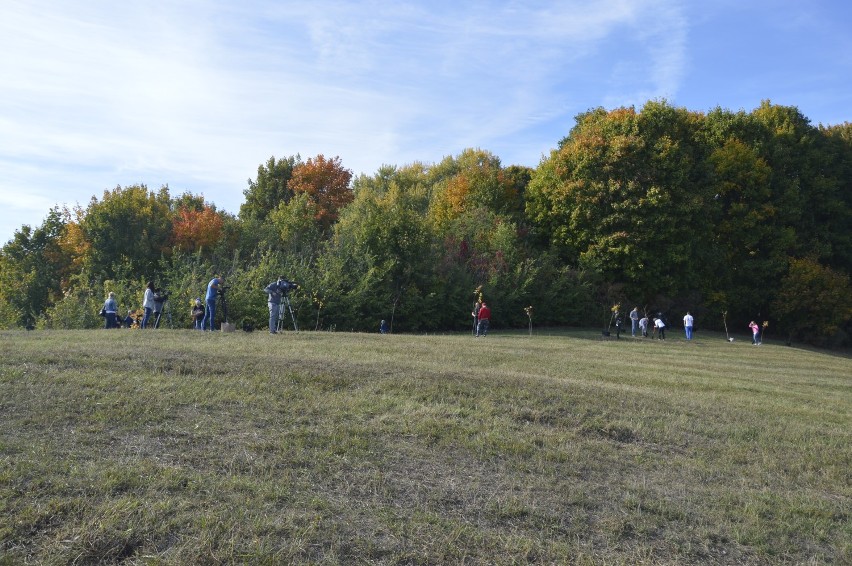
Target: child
[197,314]
[755,333]
[643,325]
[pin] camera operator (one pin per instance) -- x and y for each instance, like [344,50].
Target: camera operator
[276,290]
[210,302]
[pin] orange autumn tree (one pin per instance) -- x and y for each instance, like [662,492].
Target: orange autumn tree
[195,229]
[475,179]
[326,182]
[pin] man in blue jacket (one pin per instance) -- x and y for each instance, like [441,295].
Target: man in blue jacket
[210,302]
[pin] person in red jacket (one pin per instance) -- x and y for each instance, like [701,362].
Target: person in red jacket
[484,320]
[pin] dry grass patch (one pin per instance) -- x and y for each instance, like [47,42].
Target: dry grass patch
[175,447]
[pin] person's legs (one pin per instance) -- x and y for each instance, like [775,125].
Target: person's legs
[635,325]
[482,328]
[273,317]
[209,315]
[145,318]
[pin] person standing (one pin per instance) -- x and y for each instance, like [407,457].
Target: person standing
[476,306]
[634,321]
[618,324]
[210,303]
[197,314]
[687,325]
[755,333]
[275,290]
[147,304]
[661,328]
[643,326]
[484,317]
[383,327]
[110,311]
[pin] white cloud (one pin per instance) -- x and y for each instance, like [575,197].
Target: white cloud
[197,95]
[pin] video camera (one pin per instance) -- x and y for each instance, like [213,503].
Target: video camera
[287,286]
[222,289]
[161,296]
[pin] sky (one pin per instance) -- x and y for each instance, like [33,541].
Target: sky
[196,94]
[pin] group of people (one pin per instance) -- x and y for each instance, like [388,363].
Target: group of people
[110,313]
[481,318]
[203,316]
[658,324]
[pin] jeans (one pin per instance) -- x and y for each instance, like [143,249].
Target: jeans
[635,326]
[688,330]
[110,321]
[209,314]
[274,309]
[145,317]
[482,327]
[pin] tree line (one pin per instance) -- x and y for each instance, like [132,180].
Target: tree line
[731,215]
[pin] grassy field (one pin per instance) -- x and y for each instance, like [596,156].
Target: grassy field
[181,447]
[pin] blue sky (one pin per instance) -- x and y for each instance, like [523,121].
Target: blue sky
[197,94]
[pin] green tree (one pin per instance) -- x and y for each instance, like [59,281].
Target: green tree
[33,266]
[271,188]
[814,302]
[298,230]
[127,232]
[750,246]
[625,195]
[379,263]
[828,213]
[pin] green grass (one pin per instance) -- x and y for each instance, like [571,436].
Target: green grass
[176,447]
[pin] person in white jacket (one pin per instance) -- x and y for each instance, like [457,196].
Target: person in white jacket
[147,304]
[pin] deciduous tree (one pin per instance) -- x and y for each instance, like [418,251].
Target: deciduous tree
[270,188]
[326,182]
[813,301]
[130,227]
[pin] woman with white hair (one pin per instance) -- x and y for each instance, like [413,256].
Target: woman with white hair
[110,309]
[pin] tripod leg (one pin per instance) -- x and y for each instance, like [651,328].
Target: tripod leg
[292,316]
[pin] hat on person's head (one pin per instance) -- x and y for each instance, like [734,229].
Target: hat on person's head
[197,299]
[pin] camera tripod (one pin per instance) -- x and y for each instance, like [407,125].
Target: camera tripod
[162,308]
[285,301]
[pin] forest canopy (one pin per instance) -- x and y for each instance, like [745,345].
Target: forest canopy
[742,213]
